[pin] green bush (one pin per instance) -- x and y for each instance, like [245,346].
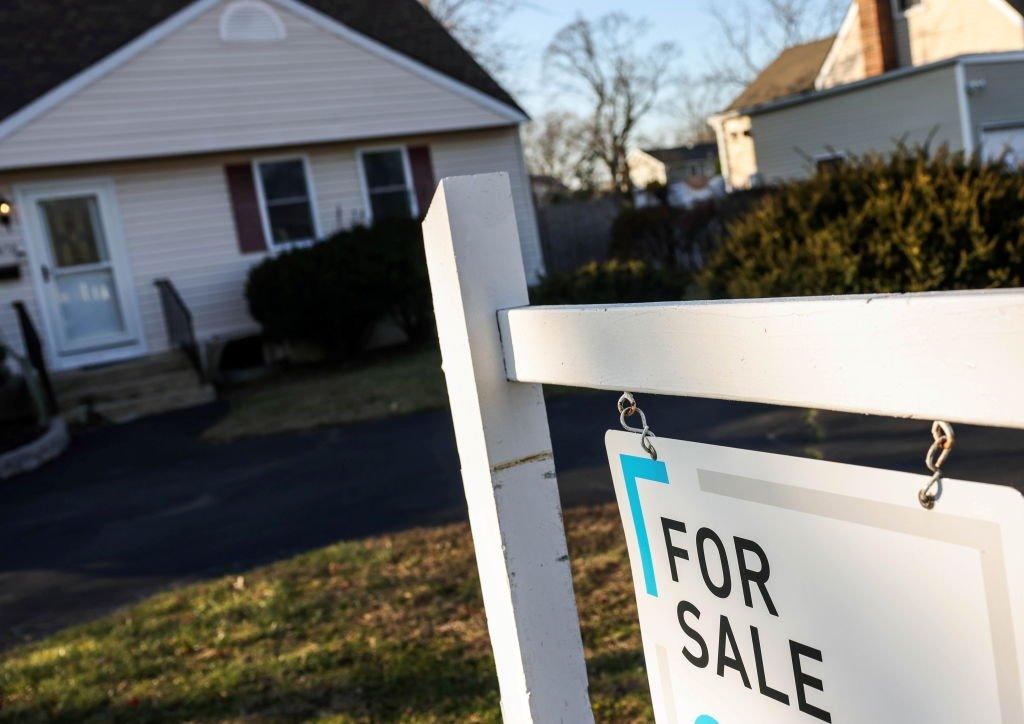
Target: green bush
[334,292]
[913,221]
[611,282]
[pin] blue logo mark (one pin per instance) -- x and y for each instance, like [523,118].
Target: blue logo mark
[634,468]
[705,719]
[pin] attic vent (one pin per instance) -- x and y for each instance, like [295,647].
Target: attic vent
[250,21]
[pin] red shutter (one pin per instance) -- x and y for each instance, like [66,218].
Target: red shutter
[422,176]
[245,207]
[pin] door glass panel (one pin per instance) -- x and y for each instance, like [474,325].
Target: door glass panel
[75,231]
[88,305]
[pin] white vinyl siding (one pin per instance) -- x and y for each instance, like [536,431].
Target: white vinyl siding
[193,93]
[998,98]
[870,118]
[477,153]
[177,221]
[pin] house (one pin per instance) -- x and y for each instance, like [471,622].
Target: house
[944,71]
[693,164]
[153,151]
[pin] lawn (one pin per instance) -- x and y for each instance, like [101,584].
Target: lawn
[387,383]
[391,628]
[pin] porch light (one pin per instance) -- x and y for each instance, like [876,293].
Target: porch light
[5,212]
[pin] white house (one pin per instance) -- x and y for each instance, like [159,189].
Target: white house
[948,71]
[186,140]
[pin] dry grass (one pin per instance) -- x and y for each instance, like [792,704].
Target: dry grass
[386,629]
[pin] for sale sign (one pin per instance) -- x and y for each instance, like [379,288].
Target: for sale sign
[778,589]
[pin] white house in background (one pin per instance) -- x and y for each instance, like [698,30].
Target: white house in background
[187,140]
[947,70]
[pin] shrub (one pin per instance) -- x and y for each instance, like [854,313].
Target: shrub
[912,221]
[611,282]
[334,292]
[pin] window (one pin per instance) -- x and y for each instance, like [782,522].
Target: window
[830,161]
[1004,143]
[287,207]
[905,5]
[388,189]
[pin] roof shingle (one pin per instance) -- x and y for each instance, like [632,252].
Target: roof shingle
[793,71]
[47,42]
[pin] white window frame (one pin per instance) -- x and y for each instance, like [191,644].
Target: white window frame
[265,211]
[365,185]
[842,156]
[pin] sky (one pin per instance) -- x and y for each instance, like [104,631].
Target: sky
[687,23]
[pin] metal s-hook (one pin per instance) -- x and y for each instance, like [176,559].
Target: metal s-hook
[943,440]
[627,408]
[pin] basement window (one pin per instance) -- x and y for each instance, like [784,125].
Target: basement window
[250,21]
[829,162]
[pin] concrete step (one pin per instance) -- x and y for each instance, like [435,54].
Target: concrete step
[129,390]
[125,410]
[171,400]
[73,381]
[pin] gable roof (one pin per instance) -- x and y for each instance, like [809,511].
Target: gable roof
[681,154]
[792,72]
[47,42]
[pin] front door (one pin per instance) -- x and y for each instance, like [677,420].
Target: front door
[81,272]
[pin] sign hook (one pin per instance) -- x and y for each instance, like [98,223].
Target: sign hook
[943,439]
[627,408]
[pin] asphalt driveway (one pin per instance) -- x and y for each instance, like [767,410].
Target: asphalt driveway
[132,509]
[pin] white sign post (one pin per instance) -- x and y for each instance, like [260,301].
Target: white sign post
[476,268]
[955,357]
[779,589]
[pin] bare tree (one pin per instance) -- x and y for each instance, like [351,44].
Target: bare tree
[601,61]
[751,34]
[556,144]
[475,24]
[751,38]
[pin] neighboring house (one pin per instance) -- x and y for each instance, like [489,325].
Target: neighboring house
[189,139]
[694,165]
[948,71]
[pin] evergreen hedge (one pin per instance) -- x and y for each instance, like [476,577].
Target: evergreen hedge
[333,293]
[908,222]
[612,282]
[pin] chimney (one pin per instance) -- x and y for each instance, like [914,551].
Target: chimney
[878,37]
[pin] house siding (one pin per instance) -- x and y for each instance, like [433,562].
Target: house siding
[192,93]
[1001,101]
[940,29]
[847,61]
[177,222]
[872,118]
[737,150]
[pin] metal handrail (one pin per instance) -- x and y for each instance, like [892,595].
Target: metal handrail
[180,327]
[34,350]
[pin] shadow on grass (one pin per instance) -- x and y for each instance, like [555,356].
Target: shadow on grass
[421,683]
